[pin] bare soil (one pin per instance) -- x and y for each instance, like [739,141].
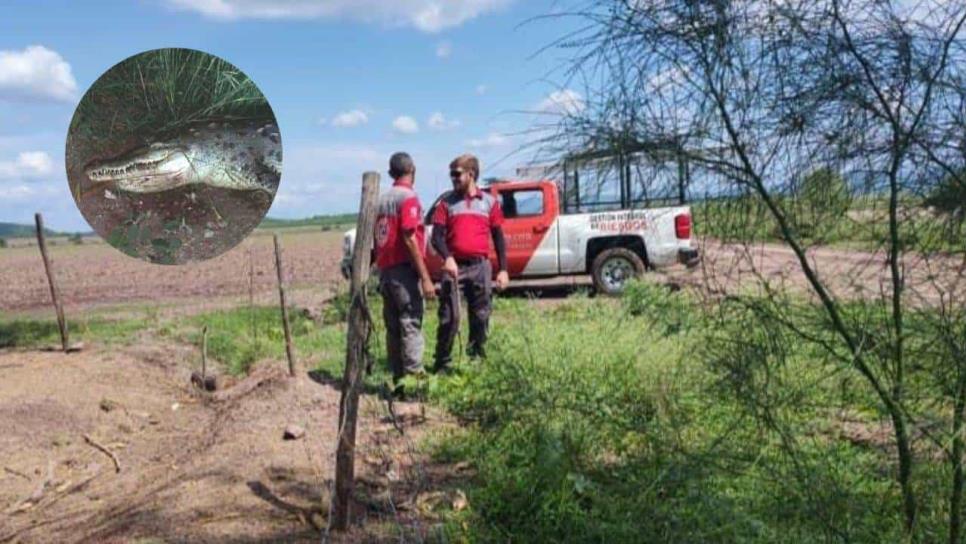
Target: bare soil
[929,280]
[193,470]
[98,276]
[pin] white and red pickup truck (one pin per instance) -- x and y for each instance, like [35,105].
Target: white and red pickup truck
[612,246]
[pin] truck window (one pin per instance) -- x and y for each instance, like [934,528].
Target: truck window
[603,181]
[521,203]
[653,183]
[593,186]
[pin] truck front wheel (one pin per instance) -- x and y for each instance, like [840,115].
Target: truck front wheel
[613,268]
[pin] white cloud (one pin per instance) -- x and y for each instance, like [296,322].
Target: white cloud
[444,49]
[493,139]
[481,89]
[357,154]
[438,121]
[28,165]
[351,118]
[29,193]
[405,125]
[562,102]
[668,79]
[51,197]
[425,15]
[325,175]
[35,73]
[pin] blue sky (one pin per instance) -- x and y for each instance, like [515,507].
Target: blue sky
[350,81]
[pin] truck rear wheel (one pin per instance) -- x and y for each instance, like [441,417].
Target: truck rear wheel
[613,268]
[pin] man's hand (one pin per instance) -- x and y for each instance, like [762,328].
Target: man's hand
[429,289]
[449,266]
[502,280]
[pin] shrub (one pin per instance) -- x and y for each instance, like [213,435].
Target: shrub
[667,312]
[819,204]
[949,197]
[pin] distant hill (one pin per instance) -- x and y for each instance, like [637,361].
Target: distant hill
[16,230]
[322,221]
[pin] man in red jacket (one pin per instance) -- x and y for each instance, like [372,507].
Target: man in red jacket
[463,222]
[400,257]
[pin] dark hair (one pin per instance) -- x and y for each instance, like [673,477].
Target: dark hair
[400,164]
[468,162]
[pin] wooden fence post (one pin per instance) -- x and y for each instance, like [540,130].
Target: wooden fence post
[356,342]
[281,297]
[251,292]
[42,242]
[204,354]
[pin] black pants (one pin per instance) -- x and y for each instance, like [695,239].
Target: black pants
[474,282]
[402,311]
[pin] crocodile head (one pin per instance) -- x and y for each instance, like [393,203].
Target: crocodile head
[158,167]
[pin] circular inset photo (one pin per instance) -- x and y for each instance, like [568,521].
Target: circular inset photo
[173,156]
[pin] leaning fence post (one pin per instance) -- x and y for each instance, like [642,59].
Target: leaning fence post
[281,297]
[356,341]
[251,292]
[204,354]
[42,242]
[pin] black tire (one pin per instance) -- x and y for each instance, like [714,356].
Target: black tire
[613,268]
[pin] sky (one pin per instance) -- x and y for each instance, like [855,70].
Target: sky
[350,82]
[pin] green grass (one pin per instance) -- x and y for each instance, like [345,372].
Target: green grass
[34,333]
[159,92]
[233,342]
[640,421]
[632,420]
[577,422]
[240,337]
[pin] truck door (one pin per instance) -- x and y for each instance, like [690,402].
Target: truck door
[529,228]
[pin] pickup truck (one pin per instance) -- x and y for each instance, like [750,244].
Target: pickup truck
[612,246]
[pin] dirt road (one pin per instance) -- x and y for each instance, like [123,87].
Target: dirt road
[728,268]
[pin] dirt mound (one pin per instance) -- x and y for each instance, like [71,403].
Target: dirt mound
[192,470]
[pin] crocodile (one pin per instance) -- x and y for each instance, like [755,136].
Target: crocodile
[229,156]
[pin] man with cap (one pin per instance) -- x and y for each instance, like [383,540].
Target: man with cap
[464,221]
[403,277]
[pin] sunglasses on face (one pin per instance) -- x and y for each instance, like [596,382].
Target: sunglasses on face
[455,173]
